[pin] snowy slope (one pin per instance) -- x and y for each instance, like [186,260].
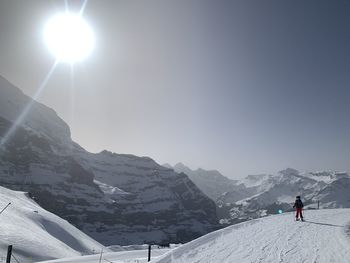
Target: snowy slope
[37,234]
[133,256]
[323,238]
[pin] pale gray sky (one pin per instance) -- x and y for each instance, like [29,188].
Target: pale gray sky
[239,86]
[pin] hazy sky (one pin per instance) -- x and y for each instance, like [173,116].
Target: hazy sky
[239,86]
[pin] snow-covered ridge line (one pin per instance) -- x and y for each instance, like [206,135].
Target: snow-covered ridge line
[40,119]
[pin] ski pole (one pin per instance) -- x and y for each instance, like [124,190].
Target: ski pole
[5,208]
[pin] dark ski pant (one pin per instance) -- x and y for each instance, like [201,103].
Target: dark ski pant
[299,213]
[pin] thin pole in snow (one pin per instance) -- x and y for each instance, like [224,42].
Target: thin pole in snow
[9,253]
[5,208]
[15,258]
[101,256]
[149,253]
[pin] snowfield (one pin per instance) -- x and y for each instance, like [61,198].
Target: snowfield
[323,238]
[133,256]
[37,234]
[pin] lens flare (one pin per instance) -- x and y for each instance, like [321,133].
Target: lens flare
[68,37]
[20,119]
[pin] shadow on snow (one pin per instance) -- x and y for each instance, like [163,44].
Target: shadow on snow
[323,224]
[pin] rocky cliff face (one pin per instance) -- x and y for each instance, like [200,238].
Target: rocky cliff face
[115,198]
[212,183]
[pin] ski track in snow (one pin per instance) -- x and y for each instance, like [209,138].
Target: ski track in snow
[323,238]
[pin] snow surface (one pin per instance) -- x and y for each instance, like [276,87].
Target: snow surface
[37,234]
[133,256]
[323,238]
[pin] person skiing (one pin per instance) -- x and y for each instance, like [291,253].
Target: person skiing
[299,207]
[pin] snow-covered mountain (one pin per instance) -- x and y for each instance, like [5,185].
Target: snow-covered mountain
[115,198]
[271,193]
[324,237]
[38,234]
[265,194]
[211,182]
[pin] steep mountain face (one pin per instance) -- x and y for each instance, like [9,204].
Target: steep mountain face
[277,192]
[335,194]
[155,200]
[212,183]
[222,190]
[40,119]
[117,199]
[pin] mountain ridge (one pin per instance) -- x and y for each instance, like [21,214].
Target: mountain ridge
[265,194]
[115,198]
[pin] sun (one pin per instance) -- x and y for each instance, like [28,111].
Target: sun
[69,37]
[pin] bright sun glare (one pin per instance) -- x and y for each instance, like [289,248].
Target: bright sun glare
[68,37]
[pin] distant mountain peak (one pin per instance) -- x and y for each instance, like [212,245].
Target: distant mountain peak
[289,171]
[211,182]
[181,165]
